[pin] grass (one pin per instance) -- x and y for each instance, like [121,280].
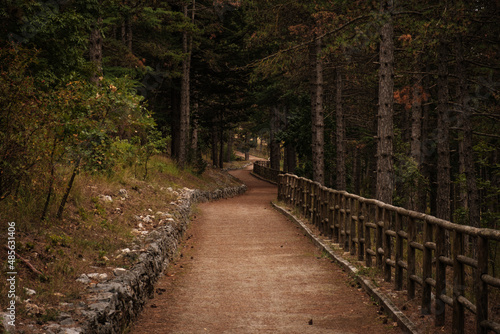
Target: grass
[91,232]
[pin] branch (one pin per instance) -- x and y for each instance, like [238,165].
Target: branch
[27,263]
[302,45]
[477,133]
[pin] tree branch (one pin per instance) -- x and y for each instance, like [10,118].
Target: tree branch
[305,44]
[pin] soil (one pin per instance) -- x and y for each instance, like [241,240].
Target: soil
[244,268]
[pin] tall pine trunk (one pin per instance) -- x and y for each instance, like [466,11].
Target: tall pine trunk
[275,155]
[317,118]
[340,137]
[185,95]
[416,140]
[466,146]
[95,51]
[290,159]
[443,137]
[385,177]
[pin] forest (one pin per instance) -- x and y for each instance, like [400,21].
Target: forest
[393,100]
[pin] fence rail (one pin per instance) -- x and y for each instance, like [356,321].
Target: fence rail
[262,168]
[411,248]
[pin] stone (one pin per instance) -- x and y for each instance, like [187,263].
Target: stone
[67,322]
[29,292]
[123,193]
[76,330]
[84,279]
[106,198]
[119,271]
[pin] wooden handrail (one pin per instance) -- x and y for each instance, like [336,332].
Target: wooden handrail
[372,229]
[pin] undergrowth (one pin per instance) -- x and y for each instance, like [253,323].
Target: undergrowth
[55,252]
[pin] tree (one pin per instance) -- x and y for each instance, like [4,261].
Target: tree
[385,181]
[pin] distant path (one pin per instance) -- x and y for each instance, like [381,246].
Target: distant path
[246,269]
[251,158]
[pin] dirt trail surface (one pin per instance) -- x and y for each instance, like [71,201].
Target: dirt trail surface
[246,269]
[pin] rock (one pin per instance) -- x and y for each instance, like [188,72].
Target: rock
[103,277]
[83,279]
[77,330]
[93,275]
[67,322]
[33,309]
[52,327]
[58,294]
[29,292]
[5,321]
[106,198]
[123,193]
[148,219]
[119,271]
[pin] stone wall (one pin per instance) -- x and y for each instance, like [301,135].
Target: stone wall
[113,305]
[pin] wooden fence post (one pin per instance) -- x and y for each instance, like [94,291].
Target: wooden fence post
[410,250]
[352,230]
[398,272]
[379,238]
[361,227]
[387,216]
[458,283]
[368,236]
[440,308]
[480,285]
[338,217]
[427,268]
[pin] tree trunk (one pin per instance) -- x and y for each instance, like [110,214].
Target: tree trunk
[229,149]
[185,95]
[221,144]
[317,118]
[467,151]
[68,189]
[175,119]
[275,155]
[215,157]
[443,140]
[194,136]
[416,140]
[340,138]
[95,52]
[385,177]
[290,160]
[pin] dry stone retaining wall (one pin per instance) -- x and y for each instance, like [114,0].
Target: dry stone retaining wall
[116,303]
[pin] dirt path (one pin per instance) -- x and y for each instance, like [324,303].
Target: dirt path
[247,269]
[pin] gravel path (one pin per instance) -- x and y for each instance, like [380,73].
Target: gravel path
[245,268]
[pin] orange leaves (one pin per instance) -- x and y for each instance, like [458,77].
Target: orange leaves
[410,96]
[405,38]
[299,29]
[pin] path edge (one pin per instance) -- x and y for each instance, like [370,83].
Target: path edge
[393,311]
[118,302]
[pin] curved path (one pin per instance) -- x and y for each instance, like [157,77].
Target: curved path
[246,269]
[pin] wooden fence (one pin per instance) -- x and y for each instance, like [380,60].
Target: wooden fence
[262,168]
[446,260]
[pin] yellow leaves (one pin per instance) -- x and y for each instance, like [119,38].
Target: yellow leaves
[112,87]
